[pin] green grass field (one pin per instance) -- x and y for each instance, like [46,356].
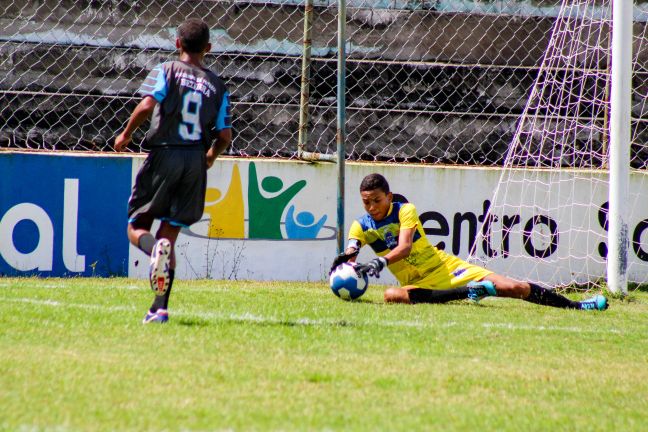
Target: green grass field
[291,356]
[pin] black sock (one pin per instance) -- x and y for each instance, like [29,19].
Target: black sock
[168,293]
[547,297]
[162,302]
[422,295]
[146,243]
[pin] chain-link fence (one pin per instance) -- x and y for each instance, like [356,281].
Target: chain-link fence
[440,81]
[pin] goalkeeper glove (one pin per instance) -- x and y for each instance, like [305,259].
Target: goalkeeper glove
[372,268]
[342,258]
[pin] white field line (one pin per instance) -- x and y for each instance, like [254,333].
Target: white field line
[259,319]
[144,287]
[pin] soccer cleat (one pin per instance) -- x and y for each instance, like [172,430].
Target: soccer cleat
[481,289]
[160,316]
[598,302]
[159,269]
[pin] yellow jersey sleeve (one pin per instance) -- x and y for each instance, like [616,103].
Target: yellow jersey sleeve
[356,232]
[408,216]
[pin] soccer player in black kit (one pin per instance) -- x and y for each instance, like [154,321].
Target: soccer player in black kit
[190,126]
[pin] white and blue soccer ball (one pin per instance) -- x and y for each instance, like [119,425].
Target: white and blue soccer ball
[345,282]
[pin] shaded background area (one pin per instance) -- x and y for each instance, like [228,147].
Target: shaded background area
[427,81]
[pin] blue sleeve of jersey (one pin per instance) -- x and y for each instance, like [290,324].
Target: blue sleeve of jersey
[155,84]
[224,119]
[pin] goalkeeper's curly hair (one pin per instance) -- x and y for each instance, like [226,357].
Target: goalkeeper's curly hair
[374,181]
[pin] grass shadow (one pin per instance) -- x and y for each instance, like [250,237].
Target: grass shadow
[296,323]
[192,322]
[367,301]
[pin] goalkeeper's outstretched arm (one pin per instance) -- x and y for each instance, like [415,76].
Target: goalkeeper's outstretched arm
[401,251]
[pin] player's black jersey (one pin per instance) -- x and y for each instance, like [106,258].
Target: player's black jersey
[193,102]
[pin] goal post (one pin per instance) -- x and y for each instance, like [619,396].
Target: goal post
[620,110]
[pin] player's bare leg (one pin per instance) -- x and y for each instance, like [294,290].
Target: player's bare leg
[492,285]
[396,295]
[169,232]
[166,236]
[139,233]
[162,271]
[507,287]
[163,261]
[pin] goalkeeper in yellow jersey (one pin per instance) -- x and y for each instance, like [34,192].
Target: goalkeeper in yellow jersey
[426,274]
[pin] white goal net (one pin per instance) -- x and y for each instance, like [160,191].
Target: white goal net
[548,216]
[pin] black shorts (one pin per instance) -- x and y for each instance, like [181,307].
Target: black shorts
[170,186]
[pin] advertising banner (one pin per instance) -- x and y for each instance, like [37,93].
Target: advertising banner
[63,215]
[263,220]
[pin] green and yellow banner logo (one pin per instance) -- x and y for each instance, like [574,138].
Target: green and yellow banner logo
[270,214]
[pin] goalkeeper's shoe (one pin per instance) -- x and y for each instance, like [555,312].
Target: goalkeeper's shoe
[159,270]
[481,289]
[598,302]
[160,316]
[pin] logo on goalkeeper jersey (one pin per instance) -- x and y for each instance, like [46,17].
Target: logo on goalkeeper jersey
[459,272]
[390,240]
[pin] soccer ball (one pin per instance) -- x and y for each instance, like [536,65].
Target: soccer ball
[345,282]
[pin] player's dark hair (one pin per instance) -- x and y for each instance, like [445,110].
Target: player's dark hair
[193,35]
[374,181]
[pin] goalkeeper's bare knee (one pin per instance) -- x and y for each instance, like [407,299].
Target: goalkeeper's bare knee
[396,295]
[509,287]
